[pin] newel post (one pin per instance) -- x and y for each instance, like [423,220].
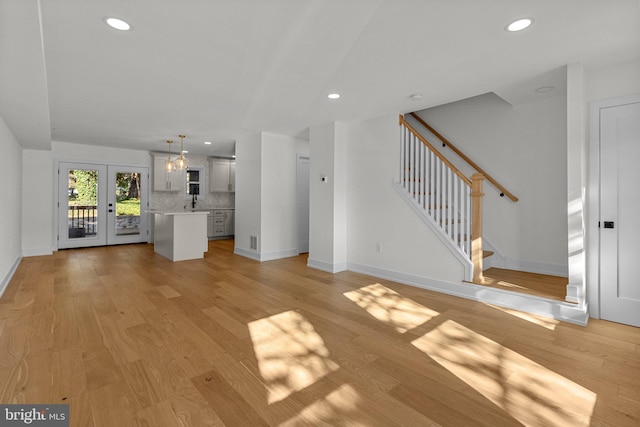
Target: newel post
[476,225]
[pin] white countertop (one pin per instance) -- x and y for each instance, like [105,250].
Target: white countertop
[188,212]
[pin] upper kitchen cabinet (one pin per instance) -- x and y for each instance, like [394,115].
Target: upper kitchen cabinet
[222,175]
[163,180]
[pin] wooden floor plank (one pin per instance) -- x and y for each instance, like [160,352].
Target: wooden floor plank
[126,337]
[542,285]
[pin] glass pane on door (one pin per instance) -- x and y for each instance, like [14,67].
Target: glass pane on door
[127,204]
[82,213]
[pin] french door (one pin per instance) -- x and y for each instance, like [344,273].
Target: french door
[101,204]
[619,213]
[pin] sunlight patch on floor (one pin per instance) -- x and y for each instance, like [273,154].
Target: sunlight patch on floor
[291,355]
[532,318]
[529,392]
[333,409]
[510,285]
[388,306]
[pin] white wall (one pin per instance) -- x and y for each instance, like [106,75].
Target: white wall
[37,202]
[279,208]
[65,151]
[328,199]
[524,148]
[11,206]
[248,194]
[576,182]
[612,82]
[377,215]
[36,240]
[266,195]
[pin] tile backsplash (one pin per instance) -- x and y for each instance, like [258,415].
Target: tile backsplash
[172,201]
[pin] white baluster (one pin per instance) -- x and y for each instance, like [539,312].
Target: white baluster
[449,203]
[456,207]
[468,223]
[403,138]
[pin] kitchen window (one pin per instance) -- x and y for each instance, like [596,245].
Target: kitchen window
[195,182]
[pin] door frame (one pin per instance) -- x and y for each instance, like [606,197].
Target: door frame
[593,202]
[302,158]
[56,200]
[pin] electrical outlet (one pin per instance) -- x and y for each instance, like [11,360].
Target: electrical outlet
[379,247]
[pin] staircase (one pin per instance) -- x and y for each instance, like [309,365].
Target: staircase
[450,204]
[445,199]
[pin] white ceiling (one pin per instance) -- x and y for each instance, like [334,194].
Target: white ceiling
[219,69]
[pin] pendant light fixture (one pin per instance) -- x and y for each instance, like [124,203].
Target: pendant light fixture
[169,165]
[181,162]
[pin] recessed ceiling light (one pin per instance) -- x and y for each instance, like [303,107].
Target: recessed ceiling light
[544,89]
[118,24]
[333,96]
[519,24]
[207,143]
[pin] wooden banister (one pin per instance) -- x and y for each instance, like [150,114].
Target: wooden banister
[436,152]
[445,141]
[476,226]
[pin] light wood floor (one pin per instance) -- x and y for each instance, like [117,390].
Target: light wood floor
[126,337]
[542,285]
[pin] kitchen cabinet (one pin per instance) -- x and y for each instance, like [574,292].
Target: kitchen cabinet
[163,180]
[180,236]
[222,175]
[229,224]
[223,222]
[210,224]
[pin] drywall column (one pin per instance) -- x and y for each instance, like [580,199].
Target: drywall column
[576,182]
[278,222]
[39,184]
[328,198]
[265,223]
[248,196]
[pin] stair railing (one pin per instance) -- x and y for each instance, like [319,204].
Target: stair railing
[445,141]
[443,193]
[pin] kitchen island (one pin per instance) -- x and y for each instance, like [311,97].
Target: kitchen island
[180,236]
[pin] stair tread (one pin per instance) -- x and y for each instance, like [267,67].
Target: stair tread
[541,285]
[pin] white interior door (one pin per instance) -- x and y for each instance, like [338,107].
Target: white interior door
[302,190]
[620,213]
[101,205]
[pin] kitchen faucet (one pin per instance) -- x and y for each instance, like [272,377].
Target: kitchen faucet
[194,198]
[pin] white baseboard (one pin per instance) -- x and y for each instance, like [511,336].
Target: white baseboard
[246,253]
[564,311]
[534,267]
[7,278]
[325,266]
[268,256]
